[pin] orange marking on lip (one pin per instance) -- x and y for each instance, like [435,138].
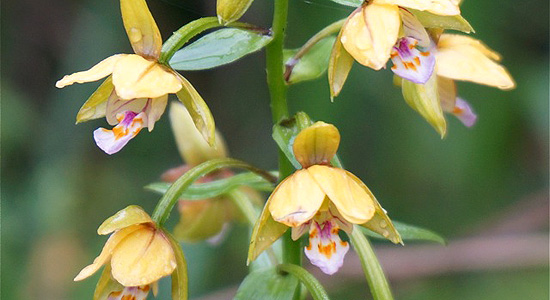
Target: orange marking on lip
[144,288]
[417,60]
[115,294]
[427,53]
[343,243]
[457,110]
[410,65]
[128,297]
[393,54]
[393,67]
[327,250]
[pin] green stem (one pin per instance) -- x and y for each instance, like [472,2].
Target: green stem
[327,31]
[173,194]
[292,253]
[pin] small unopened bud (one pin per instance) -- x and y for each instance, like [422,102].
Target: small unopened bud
[231,10]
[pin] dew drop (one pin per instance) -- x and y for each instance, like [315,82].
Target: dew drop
[135,35]
[386,233]
[383,224]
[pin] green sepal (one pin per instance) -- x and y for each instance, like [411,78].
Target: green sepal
[216,188]
[96,106]
[313,64]
[267,284]
[231,10]
[219,48]
[311,283]
[430,20]
[410,233]
[180,280]
[424,98]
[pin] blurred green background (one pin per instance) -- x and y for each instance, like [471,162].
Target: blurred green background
[484,187]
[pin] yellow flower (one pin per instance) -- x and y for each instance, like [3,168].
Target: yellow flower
[322,199]
[137,254]
[457,57]
[136,92]
[373,29]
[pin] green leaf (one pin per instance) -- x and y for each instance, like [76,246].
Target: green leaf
[376,279]
[174,193]
[313,64]
[180,280]
[216,188]
[424,98]
[410,233]
[267,284]
[430,20]
[312,284]
[352,3]
[218,48]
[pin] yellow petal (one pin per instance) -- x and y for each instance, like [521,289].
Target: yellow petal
[155,110]
[192,146]
[447,93]
[380,222]
[137,77]
[142,258]
[102,69]
[96,106]
[141,28]
[231,10]
[370,34]
[351,200]
[106,252]
[316,144]
[266,231]
[131,215]
[464,58]
[440,7]
[339,65]
[424,98]
[198,110]
[296,199]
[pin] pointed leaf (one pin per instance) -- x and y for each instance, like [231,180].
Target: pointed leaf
[219,48]
[267,284]
[313,64]
[424,98]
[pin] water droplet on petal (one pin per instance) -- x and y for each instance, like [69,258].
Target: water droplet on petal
[135,35]
[383,224]
[385,233]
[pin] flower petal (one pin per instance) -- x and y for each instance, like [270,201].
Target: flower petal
[102,69]
[142,258]
[112,141]
[316,144]
[370,33]
[137,77]
[154,110]
[296,199]
[116,106]
[463,111]
[131,215]
[131,292]
[411,63]
[339,66]
[424,98]
[266,231]
[198,110]
[414,29]
[447,93]
[326,250]
[96,106]
[106,252]
[464,58]
[355,205]
[192,146]
[141,28]
[440,7]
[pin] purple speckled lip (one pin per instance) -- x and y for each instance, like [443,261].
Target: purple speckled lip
[128,118]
